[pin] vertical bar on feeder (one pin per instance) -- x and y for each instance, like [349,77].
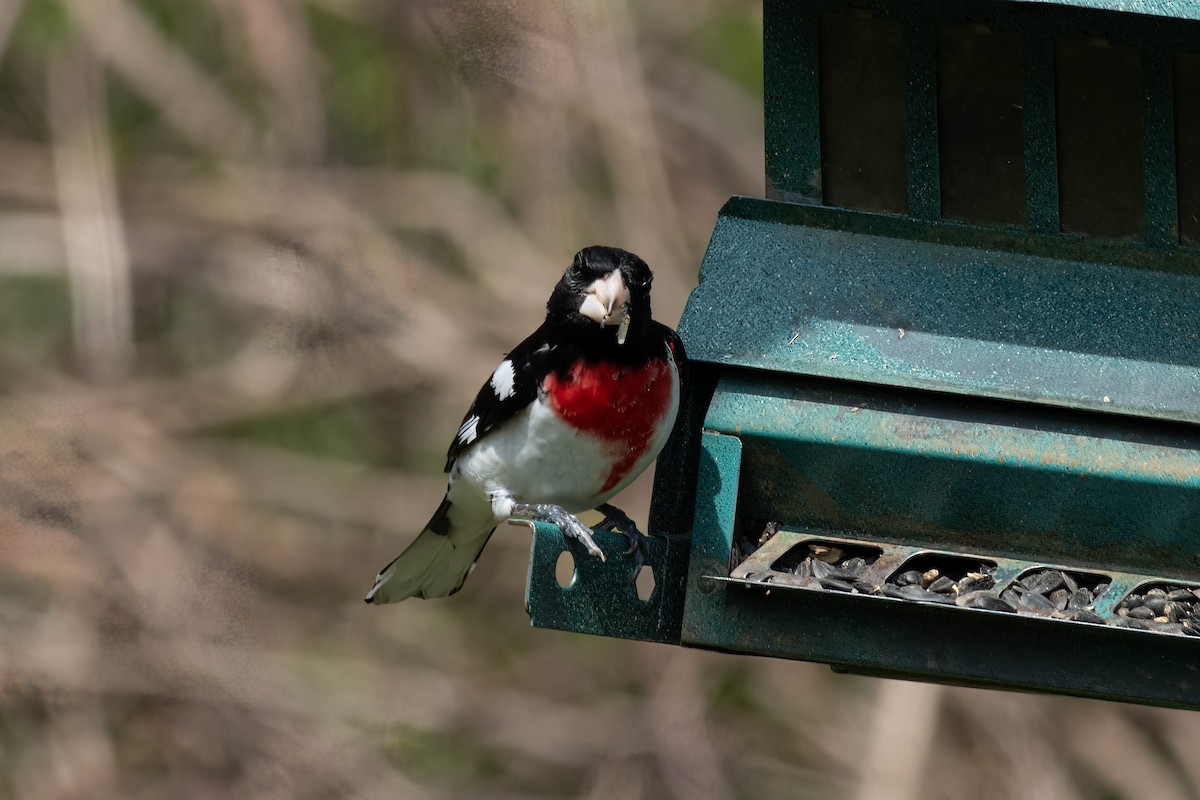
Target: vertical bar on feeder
[791,115]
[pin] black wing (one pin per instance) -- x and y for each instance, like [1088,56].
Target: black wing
[509,391]
[675,346]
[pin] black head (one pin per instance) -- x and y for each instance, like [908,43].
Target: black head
[605,293]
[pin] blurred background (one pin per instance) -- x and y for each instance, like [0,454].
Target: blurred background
[256,256]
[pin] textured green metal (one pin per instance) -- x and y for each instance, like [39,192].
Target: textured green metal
[1018,482]
[927,472]
[602,598]
[875,636]
[792,141]
[834,302]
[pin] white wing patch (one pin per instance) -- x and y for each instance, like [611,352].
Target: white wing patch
[503,379]
[466,433]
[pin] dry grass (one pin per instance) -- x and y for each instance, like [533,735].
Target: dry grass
[257,257]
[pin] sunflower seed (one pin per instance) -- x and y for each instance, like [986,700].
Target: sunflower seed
[855,565]
[917,593]
[1080,598]
[983,600]
[835,585]
[825,553]
[1031,601]
[1060,597]
[1043,581]
[974,581]
[942,585]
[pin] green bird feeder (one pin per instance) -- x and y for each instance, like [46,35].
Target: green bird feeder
[943,415]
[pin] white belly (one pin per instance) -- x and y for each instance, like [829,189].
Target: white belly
[537,458]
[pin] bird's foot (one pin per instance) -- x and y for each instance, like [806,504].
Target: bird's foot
[617,520]
[566,522]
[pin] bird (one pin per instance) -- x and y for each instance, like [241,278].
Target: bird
[569,418]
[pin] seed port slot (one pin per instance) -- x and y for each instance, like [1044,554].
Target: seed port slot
[1059,593]
[1163,607]
[951,566]
[945,579]
[1187,146]
[827,551]
[837,566]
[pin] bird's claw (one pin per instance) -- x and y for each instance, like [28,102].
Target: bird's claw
[574,529]
[618,521]
[570,526]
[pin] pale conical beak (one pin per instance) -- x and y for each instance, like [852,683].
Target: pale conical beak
[607,302]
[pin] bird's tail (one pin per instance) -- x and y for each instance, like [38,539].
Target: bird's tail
[434,565]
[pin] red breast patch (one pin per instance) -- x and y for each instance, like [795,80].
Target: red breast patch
[619,405]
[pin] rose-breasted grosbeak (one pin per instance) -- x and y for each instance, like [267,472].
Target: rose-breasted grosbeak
[568,419]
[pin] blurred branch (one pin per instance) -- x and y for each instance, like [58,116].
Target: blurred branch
[1020,744]
[690,762]
[901,735]
[198,109]
[10,10]
[75,759]
[469,217]
[276,40]
[613,81]
[97,260]
[1142,769]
